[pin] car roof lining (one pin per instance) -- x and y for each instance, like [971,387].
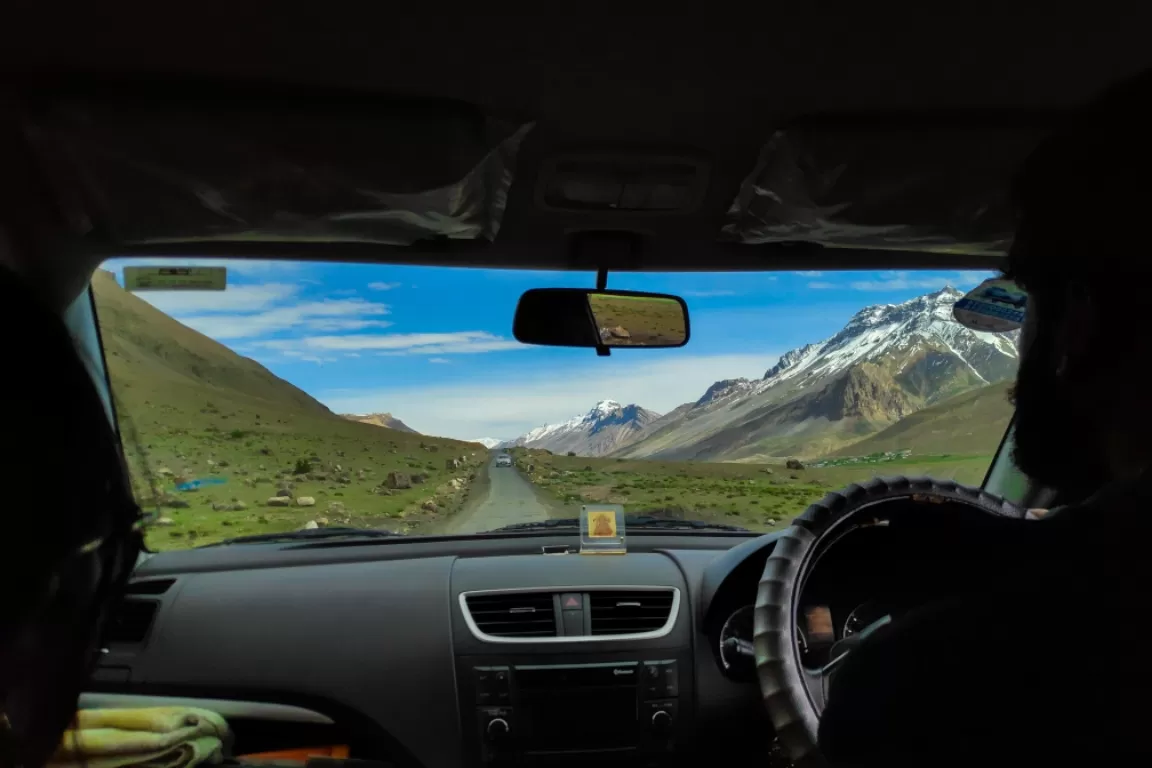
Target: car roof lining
[694,83]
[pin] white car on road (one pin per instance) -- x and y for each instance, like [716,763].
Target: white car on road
[503,460]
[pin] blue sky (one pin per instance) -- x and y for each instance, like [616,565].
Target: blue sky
[433,346]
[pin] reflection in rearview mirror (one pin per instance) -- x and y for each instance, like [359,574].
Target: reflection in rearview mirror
[638,320]
[578,317]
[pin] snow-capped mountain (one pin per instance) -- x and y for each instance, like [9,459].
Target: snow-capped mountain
[601,430]
[889,360]
[487,442]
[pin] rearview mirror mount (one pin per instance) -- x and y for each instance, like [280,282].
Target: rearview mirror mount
[601,319]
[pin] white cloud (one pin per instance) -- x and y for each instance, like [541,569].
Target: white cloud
[459,342]
[382,286]
[898,281]
[511,405]
[708,294]
[439,360]
[903,281]
[232,299]
[810,274]
[323,315]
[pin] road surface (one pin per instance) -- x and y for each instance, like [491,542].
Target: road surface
[510,499]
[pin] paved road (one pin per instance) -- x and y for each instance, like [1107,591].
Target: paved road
[510,499]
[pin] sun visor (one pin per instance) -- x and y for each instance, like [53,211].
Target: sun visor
[279,171]
[862,185]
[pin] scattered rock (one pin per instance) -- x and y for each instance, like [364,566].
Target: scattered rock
[305,501]
[284,491]
[767,471]
[279,501]
[227,523]
[793,477]
[382,491]
[165,472]
[794,464]
[163,521]
[222,464]
[174,503]
[428,506]
[311,525]
[336,508]
[771,521]
[239,506]
[322,522]
[398,480]
[452,464]
[220,506]
[210,463]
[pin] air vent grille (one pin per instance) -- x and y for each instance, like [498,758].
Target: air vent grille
[629,612]
[514,614]
[150,587]
[130,621]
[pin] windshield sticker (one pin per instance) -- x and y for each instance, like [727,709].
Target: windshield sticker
[602,529]
[175,278]
[994,306]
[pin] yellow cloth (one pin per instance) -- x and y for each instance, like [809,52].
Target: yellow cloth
[155,737]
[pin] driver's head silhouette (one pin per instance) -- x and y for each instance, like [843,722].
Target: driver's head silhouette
[1083,403]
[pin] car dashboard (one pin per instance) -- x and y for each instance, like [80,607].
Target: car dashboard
[440,652]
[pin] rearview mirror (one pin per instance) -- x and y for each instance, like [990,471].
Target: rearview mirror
[577,317]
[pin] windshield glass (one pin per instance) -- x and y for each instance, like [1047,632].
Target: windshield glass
[323,396]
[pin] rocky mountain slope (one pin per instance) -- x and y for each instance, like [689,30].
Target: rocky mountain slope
[380,420]
[191,409]
[968,423]
[606,427]
[889,361]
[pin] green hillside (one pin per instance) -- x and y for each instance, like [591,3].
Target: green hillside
[972,423]
[192,409]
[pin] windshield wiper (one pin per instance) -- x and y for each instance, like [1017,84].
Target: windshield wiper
[640,521]
[309,534]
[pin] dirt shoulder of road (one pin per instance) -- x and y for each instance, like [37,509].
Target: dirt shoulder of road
[474,495]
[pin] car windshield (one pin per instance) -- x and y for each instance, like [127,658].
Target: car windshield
[335,399]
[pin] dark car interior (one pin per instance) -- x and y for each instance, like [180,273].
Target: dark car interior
[608,146]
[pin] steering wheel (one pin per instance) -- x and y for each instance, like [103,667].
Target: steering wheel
[793,694]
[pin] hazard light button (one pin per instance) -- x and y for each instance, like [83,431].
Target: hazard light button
[571,601]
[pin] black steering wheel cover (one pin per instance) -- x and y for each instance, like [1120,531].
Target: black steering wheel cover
[777,661]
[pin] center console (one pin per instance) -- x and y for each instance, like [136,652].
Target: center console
[573,672]
[524,711]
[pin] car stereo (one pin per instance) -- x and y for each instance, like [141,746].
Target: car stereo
[531,712]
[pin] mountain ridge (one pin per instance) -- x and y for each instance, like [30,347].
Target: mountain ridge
[599,431]
[379,420]
[887,362]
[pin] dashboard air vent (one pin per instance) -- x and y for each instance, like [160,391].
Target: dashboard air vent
[629,613]
[149,587]
[130,621]
[514,614]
